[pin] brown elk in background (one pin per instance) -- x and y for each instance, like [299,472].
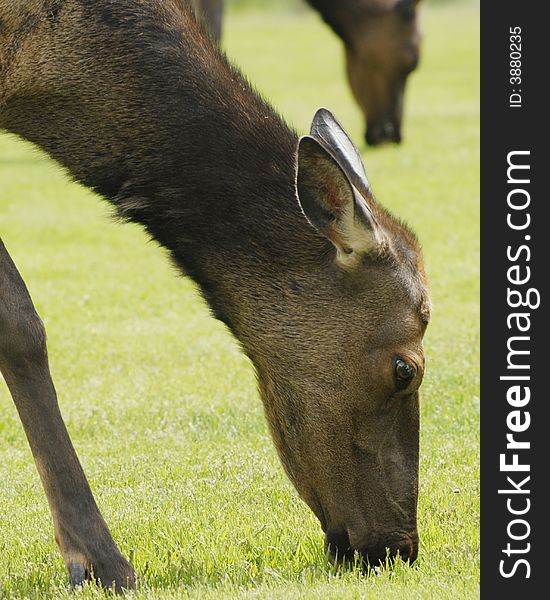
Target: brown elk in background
[323,288]
[382,45]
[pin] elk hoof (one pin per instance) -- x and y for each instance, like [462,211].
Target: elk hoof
[119,575]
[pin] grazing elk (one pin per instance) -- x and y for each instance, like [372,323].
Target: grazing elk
[323,288]
[382,43]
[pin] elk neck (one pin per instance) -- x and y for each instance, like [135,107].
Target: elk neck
[143,109]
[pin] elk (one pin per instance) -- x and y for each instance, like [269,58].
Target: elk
[324,289]
[382,45]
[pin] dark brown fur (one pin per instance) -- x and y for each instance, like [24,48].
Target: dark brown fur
[322,287]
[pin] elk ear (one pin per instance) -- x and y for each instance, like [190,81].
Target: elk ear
[334,139]
[332,205]
[332,136]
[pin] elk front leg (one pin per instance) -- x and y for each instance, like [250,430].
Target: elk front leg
[80,531]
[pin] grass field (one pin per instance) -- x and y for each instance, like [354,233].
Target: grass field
[162,406]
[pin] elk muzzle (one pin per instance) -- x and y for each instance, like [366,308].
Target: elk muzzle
[340,547]
[383,131]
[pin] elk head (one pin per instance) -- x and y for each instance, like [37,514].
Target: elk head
[338,350]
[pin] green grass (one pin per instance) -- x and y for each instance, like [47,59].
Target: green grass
[162,406]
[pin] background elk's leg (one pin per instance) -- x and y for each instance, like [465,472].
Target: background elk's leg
[210,12]
[80,531]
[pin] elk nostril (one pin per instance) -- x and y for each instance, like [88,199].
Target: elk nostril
[408,550]
[405,552]
[389,130]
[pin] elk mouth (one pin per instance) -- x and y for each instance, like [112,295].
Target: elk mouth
[340,550]
[383,132]
[338,546]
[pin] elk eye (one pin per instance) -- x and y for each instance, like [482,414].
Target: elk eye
[404,373]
